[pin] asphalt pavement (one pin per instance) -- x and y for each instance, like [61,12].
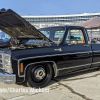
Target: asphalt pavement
[79,86]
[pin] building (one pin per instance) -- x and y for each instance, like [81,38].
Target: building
[55,20]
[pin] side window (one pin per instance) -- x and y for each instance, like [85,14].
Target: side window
[46,33]
[75,35]
[59,35]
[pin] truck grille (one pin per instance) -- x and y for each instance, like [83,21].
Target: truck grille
[1,62]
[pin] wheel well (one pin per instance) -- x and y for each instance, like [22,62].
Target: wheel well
[53,73]
[44,64]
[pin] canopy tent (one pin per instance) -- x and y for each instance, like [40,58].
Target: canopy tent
[93,28]
[91,24]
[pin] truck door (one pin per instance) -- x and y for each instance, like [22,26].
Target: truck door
[78,51]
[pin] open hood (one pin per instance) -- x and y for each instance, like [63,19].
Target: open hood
[17,27]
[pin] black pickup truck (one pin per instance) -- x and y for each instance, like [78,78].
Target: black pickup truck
[35,56]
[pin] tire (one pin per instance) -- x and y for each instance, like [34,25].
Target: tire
[33,78]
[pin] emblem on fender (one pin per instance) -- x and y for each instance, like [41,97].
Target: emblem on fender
[58,49]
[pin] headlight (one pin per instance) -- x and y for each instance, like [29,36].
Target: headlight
[7,63]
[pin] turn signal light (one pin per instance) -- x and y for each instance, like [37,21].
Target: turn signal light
[21,67]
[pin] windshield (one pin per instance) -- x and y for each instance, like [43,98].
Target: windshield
[4,37]
[54,34]
[36,41]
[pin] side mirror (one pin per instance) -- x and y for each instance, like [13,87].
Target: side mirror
[74,42]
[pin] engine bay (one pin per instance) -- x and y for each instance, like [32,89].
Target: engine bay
[27,45]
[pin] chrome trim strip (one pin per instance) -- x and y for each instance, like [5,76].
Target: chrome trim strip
[73,66]
[54,67]
[95,62]
[46,56]
[97,51]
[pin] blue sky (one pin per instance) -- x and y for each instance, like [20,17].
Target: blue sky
[50,7]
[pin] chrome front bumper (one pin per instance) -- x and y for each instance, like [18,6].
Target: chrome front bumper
[8,78]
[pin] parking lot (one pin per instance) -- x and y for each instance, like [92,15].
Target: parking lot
[78,86]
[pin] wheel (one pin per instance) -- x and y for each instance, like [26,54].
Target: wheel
[39,75]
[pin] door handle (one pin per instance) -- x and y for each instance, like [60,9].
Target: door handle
[86,45]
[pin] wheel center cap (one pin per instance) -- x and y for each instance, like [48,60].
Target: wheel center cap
[39,73]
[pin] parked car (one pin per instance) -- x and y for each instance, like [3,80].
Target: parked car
[38,55]
[93,41]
